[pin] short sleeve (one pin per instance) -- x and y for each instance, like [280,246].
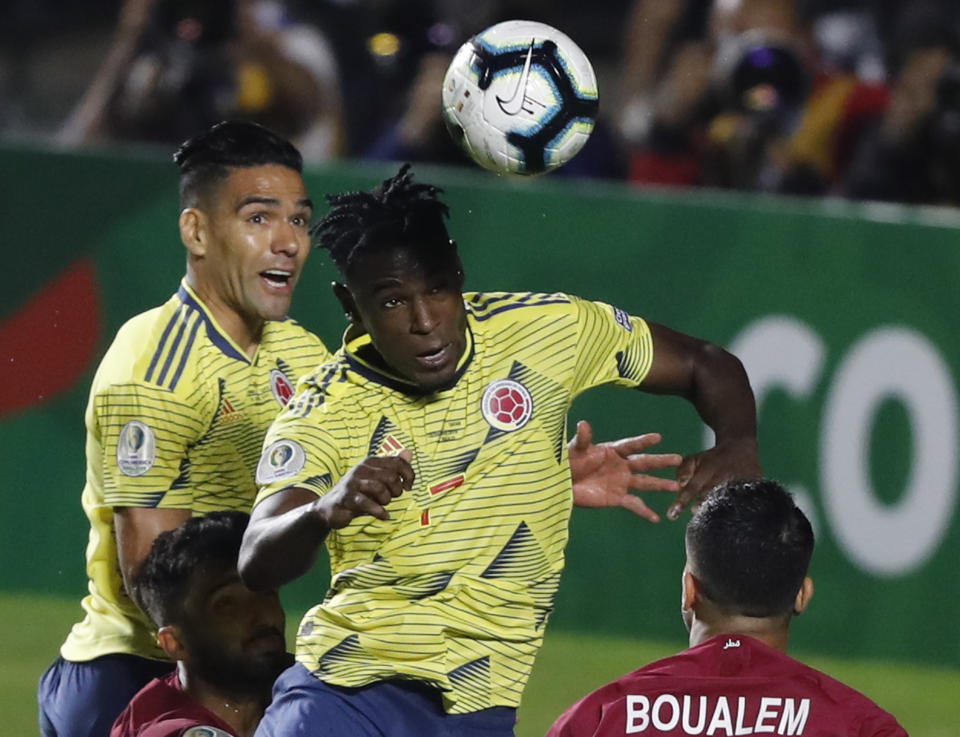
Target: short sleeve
[612,347]
[145,436]
[298,450]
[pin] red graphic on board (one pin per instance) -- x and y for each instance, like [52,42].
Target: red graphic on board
[50,341]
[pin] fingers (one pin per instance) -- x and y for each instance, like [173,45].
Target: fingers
[584,437]
[635,504]
[637,444]
[373,483]
[649,462]
[687,491]
[642,482]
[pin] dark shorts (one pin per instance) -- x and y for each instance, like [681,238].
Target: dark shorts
[304,706]
[84,699]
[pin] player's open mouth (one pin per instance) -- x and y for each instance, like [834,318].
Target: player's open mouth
[435,358]
[277,278]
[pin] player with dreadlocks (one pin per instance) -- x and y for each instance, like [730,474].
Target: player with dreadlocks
[430,457]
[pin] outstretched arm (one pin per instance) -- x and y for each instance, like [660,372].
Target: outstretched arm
[287,529]
[604,474]
[715,382]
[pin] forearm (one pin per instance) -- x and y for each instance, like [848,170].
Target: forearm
[280,547]
[722,395]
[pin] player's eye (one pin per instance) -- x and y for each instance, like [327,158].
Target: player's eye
[392,302]
[299,221]
[257,218]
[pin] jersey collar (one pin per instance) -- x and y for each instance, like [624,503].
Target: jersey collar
[356,344]
[217,335]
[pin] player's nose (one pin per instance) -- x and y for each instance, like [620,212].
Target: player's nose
[422,317]
[288,239]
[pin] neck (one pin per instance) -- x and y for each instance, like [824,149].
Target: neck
[243,330]
[241,711]
[771,632]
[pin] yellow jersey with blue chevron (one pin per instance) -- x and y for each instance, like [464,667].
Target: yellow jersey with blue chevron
[176,419]
[455,588]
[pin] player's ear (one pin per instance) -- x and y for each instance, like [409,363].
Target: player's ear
[170,642]
[804,595]
[345,298]
[691,591]
[193,231]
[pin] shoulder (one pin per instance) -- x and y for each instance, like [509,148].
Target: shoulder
[290,329]
[153,344]
[496,311]
[485,305]
[295,345]
[138,336]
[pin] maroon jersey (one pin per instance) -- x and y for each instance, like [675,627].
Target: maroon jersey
[162,709]
[729,685]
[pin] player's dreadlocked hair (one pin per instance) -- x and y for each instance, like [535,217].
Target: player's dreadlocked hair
[396,213]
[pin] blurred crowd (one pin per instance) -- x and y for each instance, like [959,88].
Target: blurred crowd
[849,98]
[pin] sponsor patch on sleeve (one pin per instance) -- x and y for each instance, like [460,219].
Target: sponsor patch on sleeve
[623,319]
[282,459]
[136,449]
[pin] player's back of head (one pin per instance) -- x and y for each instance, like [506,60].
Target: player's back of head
[211,542]
[207,158]
[397,213]
[749,547]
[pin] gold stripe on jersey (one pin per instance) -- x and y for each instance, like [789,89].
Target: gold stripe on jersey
[205,407]
[455,588]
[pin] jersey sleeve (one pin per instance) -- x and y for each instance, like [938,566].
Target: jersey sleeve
[612,347]
[298,451]
[146,433]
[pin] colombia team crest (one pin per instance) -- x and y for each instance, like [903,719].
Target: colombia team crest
[281,386]
[506,405]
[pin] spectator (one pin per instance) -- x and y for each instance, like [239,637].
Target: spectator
[177,66]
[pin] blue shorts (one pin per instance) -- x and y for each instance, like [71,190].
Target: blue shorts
[305,706]
[84,699]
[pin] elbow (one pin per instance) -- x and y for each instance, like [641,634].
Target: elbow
[250,565]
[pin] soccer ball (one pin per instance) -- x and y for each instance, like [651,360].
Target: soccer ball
[520,97]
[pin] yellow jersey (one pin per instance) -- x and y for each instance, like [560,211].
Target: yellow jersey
[176,419]
[455,588]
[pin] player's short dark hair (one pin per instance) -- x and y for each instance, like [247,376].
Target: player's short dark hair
[750,546]
[398,212]
[162,584]
[207,158]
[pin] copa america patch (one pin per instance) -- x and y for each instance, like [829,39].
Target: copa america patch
[623,319]
[281,387]
[506,405]
[136,449]
[204,731]
[282,459]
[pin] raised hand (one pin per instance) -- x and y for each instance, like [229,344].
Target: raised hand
[604,474]
[699,473]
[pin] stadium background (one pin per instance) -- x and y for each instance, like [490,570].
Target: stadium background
[845,315]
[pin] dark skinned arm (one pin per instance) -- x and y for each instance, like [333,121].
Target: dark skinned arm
[287,529]
[715,383]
